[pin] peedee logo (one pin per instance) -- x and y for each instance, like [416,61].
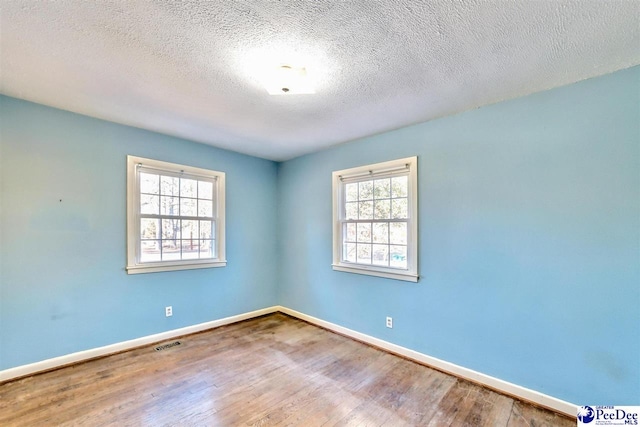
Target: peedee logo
[608,415]
[586,414]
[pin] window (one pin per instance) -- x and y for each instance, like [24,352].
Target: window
[175,217]
[375,215]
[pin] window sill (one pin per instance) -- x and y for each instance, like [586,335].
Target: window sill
[388,274]
[150,268]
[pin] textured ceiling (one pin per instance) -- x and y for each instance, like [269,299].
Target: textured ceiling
[192,69]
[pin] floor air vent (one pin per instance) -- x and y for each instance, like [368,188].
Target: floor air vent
[167,346]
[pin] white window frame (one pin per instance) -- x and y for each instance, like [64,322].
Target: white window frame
[134,265]
[339,178]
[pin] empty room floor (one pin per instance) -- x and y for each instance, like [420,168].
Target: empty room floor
[272,370]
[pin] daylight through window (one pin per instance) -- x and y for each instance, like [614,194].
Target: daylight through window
[175,219]
[375,211]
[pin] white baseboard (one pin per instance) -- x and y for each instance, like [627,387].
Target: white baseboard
[56,362]
[459,371]
[441,365]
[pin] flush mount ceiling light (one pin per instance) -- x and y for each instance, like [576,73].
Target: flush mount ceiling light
[288,80]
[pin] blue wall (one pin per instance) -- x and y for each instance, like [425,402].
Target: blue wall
[62,279]
[529,241]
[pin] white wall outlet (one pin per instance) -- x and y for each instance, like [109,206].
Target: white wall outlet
[389,322]
[168,311]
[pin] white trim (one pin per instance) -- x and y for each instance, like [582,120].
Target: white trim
[134,266]
[387,272]
[379,172]
[57,362]
[170,267]
[408,165]
[459,371]
[508,388]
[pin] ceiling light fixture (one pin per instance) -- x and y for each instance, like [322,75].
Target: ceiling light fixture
[288,80]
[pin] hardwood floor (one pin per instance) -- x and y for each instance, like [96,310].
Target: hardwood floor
[273,370]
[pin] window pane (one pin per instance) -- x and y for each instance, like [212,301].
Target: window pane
[382,188]
[206,249]
[170,250]
[398,256]
[149,228]
[190,249]
[380,255]
[351,192]
[398,233]
[365,190]
[399,186]
[382,209]
[174,217]
[150,250]
[190,245]
[381,232]
[350,232]
[365,210]
[364,253]
[351,210]
[170,229]
[205,190]
[399,208]
[149,204]
[364,232]
[349,252]
[189,229]
[169,186]
[149,183]
[205,208]
[373,208]
[188,188]
[188,207]
[169,205]
[205,230]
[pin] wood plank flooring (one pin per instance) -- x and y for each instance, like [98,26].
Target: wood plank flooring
[269,371]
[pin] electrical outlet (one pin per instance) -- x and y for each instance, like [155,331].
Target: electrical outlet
[168,311]
[389,322]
